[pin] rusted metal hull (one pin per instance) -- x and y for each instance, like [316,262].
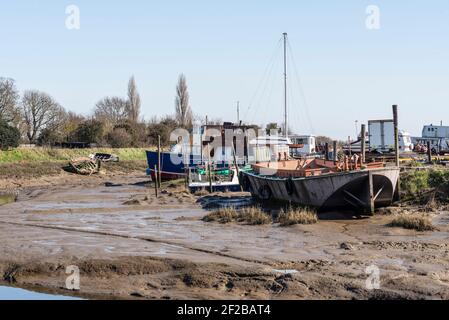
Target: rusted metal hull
[349,190]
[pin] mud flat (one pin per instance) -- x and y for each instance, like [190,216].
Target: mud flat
[129,245]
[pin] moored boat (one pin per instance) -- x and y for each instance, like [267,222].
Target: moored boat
[217,180]
[323,184]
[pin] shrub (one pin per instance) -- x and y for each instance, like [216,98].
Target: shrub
[297,216]
[161,128]
[413,222]
[414,182]
[49,137]
[119,138]
[439,179]
[90,131]
[9,136]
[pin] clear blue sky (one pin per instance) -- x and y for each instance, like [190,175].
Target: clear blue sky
[347,72]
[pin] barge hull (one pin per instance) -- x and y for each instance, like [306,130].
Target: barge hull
[329,191]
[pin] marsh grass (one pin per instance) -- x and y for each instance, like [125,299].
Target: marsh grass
[294,216]
[250,216]
[201,193]
[222,215]
[413,222]
[254,216]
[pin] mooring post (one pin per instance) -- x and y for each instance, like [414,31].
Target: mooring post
[349,144]
[335,154]
[187,178]
[396,134]
[236,164]
[155,180]
[326,150]
[159,177]
[209,176]
[363,142]
[429,152]
[371,193]
[397,195]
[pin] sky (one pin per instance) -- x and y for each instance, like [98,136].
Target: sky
[339,70]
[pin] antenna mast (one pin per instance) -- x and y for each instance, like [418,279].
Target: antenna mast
[285,87]
[238,112]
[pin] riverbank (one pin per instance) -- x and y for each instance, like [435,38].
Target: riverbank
[39,154]
[128,244]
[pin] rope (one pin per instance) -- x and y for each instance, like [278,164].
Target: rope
[301,91]
[268,68]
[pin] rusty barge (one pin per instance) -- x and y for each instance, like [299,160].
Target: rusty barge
[323,184]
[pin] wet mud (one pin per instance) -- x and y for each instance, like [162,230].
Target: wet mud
[128,244]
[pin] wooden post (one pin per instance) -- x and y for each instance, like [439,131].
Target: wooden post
[236,165]
[326,150]
[397,195]
[349,144]
[371,193]
[335,154]
[155,180]
[429,152]
[209,173]
[396,134]
[363,142]
[159,176]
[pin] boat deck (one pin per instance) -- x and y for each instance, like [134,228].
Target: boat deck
[311,167]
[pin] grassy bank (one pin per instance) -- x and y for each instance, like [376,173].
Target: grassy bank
[59,155]
[418,183]
[27,170]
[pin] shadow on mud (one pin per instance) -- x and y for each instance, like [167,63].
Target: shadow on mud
[211,202]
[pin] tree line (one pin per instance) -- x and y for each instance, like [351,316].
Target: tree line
[35,117]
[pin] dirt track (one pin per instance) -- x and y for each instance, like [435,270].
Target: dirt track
[128,244]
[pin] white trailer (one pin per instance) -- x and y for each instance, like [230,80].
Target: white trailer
[381,135]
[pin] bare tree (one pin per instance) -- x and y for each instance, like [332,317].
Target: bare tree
[111,110]
[9,97]
[39,111]
[182,106]
[134,103]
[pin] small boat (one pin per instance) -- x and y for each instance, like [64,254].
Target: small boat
[84,166]
[104,157]
[220,179]
[170,170]
[323,184]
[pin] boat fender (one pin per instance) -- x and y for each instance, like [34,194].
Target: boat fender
[265,192]
[290,186]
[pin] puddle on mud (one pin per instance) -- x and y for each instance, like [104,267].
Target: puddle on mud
[9,293]
[285,271]
[215,202]
[7,198]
